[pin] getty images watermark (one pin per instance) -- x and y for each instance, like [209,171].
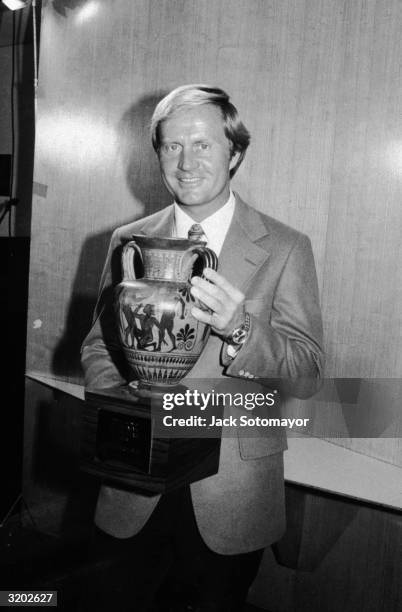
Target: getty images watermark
[194,408]
[228,407]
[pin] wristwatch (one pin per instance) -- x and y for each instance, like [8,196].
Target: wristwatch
[238,336]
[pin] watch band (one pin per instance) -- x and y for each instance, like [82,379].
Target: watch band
[238,336]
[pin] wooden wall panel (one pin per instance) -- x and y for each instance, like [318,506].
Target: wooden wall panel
[347,558]
[60,498]
[95,169]
[362,292]
[317,83]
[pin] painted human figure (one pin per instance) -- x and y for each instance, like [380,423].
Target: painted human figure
[167,322]
[144,334]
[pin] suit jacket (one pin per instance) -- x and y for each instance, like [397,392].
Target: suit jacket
[241,508]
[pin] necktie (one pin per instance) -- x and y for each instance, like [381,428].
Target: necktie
[196,233]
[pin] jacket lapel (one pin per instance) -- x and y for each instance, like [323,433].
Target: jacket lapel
[241,257]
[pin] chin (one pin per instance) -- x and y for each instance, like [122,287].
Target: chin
[190,200]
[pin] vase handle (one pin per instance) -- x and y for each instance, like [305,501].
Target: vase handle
[127,259]
[208,256]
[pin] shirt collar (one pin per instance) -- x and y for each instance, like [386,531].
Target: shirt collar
[215,226]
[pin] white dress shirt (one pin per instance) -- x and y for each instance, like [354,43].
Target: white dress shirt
[215,226]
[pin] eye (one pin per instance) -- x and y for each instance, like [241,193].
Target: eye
[170,147]
[202,146]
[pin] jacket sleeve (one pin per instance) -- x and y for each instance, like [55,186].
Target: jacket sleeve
[101,355]
[285,345]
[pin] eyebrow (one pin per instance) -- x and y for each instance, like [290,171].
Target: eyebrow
[197,139]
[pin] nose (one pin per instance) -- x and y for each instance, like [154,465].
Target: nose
[188,159]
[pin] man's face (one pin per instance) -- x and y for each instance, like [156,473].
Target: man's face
[195,159]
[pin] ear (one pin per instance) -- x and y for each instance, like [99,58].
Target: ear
[233,160]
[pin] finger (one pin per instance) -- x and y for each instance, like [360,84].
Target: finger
[210,289]
[209,300]
[202,316]
[227,300]
[223,283]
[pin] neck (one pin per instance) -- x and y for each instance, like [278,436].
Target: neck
[202,211]
[196,215]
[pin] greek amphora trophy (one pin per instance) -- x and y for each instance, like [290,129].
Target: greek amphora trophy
[161,341]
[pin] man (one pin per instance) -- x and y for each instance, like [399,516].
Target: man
[266,324]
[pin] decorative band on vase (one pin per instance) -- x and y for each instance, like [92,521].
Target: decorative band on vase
[158,376]
[165,368]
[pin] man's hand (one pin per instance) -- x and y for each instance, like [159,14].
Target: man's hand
[220,296]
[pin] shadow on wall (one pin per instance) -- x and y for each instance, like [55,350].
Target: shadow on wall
[61,6]
[139,159]
[149,194]
[315,524]
[61,497]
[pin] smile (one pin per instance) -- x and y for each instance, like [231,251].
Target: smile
[189,181]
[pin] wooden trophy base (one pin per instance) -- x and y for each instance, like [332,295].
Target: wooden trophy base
[121,445]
